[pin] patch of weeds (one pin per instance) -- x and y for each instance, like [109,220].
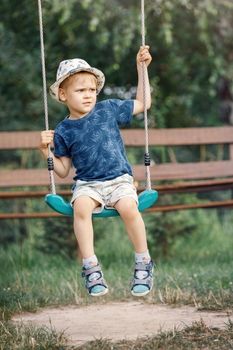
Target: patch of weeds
[20,337]
[211,301]
[216,302]
[197,336]
[14,300]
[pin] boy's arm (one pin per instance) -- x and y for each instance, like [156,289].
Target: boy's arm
[142,56]
[61,165]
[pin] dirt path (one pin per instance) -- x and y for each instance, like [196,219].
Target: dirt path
[120,320]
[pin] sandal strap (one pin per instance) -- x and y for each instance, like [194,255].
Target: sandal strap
[143,267]
[96,282]
[88,272]
[148,280]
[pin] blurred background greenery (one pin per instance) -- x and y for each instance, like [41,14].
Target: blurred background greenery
[190,40]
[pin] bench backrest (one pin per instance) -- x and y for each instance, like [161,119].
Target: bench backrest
[27,140]
[135,137]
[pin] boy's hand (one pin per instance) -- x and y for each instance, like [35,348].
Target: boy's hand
[144,55]
[46,138]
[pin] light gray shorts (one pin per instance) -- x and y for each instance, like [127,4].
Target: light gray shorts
[107,193]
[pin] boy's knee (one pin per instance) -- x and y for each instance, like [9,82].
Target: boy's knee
[83,207]
[127,208]
[81,213]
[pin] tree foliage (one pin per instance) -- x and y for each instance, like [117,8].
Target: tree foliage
[190,41]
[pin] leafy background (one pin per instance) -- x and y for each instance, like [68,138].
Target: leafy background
[190,40]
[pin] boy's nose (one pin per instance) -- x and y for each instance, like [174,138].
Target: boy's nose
[87,93]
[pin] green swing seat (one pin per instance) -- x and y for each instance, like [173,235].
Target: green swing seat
[146,199]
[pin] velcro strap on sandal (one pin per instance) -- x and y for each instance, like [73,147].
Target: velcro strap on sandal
[148,280]
[144,282]
[142,267]
[87,272]
[97,282]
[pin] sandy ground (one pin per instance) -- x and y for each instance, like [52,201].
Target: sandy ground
[119,320]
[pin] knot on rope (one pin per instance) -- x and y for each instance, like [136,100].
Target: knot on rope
[147,159]
[50,163]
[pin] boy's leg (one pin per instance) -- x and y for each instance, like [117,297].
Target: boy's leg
[83,228]
[143,280]
[135,227]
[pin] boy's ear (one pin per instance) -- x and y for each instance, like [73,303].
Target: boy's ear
[62,94]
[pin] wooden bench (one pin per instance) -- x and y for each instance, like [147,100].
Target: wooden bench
[169,177]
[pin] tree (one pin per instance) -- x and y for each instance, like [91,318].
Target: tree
[190,43]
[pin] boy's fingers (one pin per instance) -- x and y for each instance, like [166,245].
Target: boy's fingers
[145,56]
[144,47]
[144,53]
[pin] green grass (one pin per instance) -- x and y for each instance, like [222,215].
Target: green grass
[197,336]
[30,280]
[199,272]
[20,337]
[204,278]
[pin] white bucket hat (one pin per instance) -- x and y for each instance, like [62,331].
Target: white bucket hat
[69,67]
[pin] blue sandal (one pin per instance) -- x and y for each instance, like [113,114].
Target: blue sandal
[141,287]
[96,286]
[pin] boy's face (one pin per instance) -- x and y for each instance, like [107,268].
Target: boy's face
[78,92]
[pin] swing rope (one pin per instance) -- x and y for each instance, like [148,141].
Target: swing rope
[144,74]
[42,52]
[146,198]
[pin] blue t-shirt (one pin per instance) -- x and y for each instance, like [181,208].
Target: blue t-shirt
[94,142]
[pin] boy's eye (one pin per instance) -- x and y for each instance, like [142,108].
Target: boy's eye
[84,90]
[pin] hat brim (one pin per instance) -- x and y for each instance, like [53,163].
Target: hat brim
[54,88]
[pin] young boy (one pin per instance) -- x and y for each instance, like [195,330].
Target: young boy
[90,138]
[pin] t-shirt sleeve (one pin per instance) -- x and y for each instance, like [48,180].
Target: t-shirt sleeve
[60,148]
[123,110]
